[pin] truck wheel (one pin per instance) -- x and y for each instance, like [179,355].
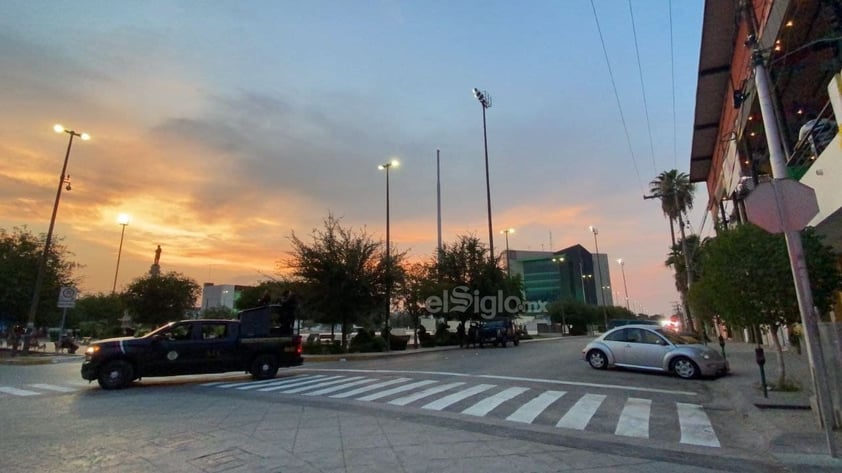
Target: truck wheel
[116,374]
[264,367]
[516,341]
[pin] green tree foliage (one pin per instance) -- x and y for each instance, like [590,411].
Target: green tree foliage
[676,261]
[20,254]
[580,315]
[97,315]
[746,279]
[343,274]
[155,300]
[465,263]
[251,296]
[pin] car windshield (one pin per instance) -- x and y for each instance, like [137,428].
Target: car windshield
[675,338]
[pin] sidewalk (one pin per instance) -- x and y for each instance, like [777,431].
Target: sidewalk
[786,421]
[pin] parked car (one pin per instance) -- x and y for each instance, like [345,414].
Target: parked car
[497,332]
[260,342]
[652,348]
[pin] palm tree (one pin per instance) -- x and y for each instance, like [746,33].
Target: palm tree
[675,191]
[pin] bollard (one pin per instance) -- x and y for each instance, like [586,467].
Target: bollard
[761,360]
[722,345]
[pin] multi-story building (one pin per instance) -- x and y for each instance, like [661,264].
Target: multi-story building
[221,295]
[803,54]
[572,273]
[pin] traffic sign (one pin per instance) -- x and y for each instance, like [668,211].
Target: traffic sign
[798,205]
[67,297]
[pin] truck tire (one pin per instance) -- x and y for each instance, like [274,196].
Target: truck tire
[264,367]
[116,374]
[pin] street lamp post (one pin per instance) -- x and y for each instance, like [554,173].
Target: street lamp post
[595,232]
[506,232]
[560,261]
[625,287]
[485,101]
[386,167]
[123,220]
[63,180]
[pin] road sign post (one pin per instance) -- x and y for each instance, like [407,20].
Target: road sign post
[66,300]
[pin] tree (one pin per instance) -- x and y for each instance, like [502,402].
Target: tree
[219,312]
[343,274]
[675,192]
[20,254]
[417,285]
[464,269]
[98,315]
[746,279]
[155,300]
[251,296]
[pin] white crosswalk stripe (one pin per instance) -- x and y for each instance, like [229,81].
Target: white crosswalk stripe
[53,387]
[397,390]
[402,401]
[633,420]
[488,404]
[457,396]
[17,392]
[532,409]
[580,414]
[308,382]
[370,388]
[333,389]
[319,385]
[696,428]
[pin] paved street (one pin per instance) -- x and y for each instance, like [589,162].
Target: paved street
[530,408]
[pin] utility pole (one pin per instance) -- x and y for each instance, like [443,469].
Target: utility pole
[798,262]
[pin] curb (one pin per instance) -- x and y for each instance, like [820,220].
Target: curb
[407,352]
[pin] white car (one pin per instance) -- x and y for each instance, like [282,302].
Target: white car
[652,348]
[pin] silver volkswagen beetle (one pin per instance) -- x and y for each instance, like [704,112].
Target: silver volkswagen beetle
[652,348]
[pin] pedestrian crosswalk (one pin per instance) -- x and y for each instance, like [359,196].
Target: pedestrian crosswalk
[633,417]
[36,390]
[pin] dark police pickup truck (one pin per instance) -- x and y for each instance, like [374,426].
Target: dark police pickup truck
[260,342]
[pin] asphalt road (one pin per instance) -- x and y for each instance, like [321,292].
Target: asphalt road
[539,392]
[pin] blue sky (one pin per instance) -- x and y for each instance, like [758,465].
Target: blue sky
[221,127]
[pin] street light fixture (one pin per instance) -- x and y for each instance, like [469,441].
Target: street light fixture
[122,219]
[63,179]
[595,232]
[386,167]
[485,101]
[506,232]
[625,287]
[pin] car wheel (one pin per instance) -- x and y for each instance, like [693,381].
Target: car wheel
[684,368]
[264,367]
[516,342]
[597,360]
[116,374]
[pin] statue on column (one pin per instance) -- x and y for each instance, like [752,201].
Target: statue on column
[155,270]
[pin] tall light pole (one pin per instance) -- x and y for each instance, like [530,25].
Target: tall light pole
[63,180]
[625,287]
[386,167]
[595,232]
[122,219]
[506,232]
[485,101]
[560,261]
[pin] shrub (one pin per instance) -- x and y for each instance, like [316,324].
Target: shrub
[398,342]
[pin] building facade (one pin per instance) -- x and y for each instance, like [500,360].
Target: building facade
[801,51]
[221,295]
[572,273]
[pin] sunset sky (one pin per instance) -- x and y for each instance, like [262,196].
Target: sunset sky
[221,127]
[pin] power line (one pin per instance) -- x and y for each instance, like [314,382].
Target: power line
[643,90]
[672,66]
[616,96]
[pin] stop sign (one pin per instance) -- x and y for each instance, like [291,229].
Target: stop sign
[781,205]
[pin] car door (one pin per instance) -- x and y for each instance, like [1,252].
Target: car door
[617,343]
[172,352]
[217,347]
[651,350]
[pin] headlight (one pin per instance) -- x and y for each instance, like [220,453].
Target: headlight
[91,350]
